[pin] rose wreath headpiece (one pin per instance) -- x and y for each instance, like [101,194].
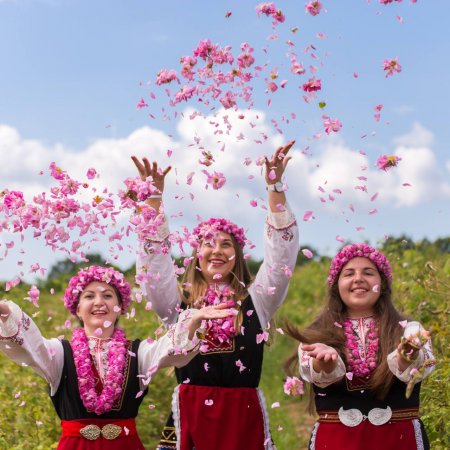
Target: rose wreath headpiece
[78,283]
[358,250]
[209,228]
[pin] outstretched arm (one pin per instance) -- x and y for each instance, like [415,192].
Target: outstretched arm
[413,359]
[271,283]
[22,342]
[154,268]
[320,364]
[181,343]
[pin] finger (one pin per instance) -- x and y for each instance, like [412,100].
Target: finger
[307,347]
[145,169]
[138,165]
[286,160]
[220,306]
[288,146]
[167,170]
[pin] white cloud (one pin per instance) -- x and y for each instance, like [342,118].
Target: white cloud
[419,136]
[331,166]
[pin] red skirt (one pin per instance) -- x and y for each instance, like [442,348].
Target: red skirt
[72,438]
[401,435]
[221,418]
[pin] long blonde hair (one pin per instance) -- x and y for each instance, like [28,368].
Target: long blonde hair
[194,284]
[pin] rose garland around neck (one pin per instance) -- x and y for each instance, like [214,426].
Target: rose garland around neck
[220,330]
[112,387]
[361,367]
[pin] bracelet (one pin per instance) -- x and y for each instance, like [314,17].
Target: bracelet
[155,196]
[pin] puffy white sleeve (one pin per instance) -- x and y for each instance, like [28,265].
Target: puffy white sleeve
[424,358]
[22,342]
[321,379]
[173,349]
[281,246]
[156,276]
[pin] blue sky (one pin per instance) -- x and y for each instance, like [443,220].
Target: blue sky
[74,70]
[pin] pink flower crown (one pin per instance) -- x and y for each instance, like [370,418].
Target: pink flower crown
[78,283]
[209,228]
[358,250]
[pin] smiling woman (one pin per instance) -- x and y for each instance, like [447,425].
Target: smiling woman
[363,360]
[99,378]
[218,389]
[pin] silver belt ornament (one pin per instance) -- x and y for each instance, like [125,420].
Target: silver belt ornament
[353,417]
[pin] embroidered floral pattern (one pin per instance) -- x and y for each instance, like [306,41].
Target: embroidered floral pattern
[362,346]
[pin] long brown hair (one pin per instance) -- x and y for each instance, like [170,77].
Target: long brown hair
[195,285]
[324,330]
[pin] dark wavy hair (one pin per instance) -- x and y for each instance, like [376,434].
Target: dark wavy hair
[324,330]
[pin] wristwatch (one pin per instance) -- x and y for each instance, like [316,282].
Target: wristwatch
[277,187]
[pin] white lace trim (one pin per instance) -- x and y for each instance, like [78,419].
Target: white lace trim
[176,414]
[267,437]
[312,445]
[418,434]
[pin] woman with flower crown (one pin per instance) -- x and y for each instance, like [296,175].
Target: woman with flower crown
[217,404]
[364,360]
[99,378]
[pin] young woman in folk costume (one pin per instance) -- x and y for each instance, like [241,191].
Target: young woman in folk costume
[97,379]
[217,404]
[364,360]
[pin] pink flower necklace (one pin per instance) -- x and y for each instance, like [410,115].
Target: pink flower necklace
[361,365]
[112,386]
[220,330]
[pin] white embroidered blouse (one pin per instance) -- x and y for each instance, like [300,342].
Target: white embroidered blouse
[22,342]
[268,290]
[361,328]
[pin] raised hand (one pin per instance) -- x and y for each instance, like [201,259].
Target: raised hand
[147,169]
[277,164]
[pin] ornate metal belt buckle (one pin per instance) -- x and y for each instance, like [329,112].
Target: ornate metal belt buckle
[90,432]
[111,431]
[350,417]
[379,416]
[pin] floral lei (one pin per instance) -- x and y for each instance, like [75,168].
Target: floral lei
[112,387]
[220,330]
[361,367]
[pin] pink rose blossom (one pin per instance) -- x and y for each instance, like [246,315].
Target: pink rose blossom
[297,68]
[91,173]
[390,66]
[166,76]
[215,179]
[269,9]
[385,162]
[293,386]
[312,85]
[313,7]
[331,125]
[228,100]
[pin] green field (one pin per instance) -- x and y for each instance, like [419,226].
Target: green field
[421,289]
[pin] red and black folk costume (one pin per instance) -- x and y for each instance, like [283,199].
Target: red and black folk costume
[217,404]
[351,417]
[52,359]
